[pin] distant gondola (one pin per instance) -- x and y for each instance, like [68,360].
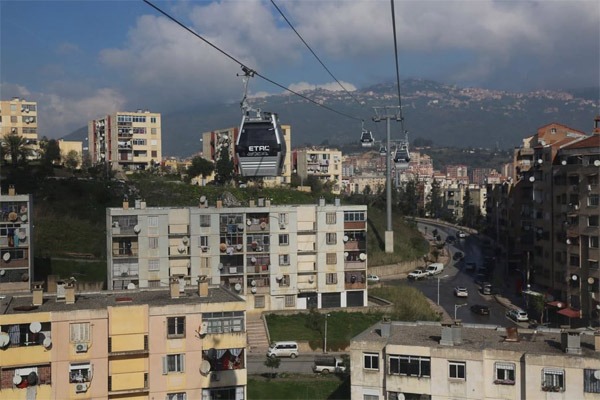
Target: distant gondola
[402,157]
[382,151]
[260,145]
[366,138]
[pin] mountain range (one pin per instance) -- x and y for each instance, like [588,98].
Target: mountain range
[447,115]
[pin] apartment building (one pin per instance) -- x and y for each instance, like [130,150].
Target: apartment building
[126,141]
[323,163]
[358,184]
[428,360]
[19,116]
[16,248]
[214,141]
[277,256]
[173,344]
[68,146]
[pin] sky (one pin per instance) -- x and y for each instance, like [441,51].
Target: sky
[83,59]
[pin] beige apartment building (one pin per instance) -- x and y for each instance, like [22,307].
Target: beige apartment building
[162,344]
[213,142]
[67,146]
[126,141]
[19,116]
[323,163]
[429,360]
[16,247]
[279,257]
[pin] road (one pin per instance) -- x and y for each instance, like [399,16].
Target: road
[299,365]
[455,275]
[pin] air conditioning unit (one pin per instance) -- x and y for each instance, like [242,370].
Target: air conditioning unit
[204,249]
[81,347]
[282,225]
[81,387]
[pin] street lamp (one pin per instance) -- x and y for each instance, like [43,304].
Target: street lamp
[438,287]
[325,344]
[456,307]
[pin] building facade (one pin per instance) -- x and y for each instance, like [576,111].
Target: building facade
[404,360]
[19,117]
[278,257]
[321,163]
[16,247]
[169,344]
[126,141]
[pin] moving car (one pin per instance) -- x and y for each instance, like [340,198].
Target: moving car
[434,269]
[458,256]
[461,234]
[373,278]
[460,291]
[518,315]
[480,309]
[486,288]
[418,273]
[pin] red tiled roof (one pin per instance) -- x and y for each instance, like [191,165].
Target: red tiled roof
[591,141]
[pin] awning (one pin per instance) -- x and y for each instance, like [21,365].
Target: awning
[555,303]
[569,312]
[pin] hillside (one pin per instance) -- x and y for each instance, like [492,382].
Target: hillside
[447,115]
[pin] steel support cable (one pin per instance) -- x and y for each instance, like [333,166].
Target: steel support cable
[244,67]
[397,68]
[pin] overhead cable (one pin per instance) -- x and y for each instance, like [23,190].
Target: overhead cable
[397,69]
[245,67]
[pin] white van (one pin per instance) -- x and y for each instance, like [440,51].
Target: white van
[283,349]
[435,268]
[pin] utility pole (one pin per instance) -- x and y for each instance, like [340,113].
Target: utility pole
[388,113]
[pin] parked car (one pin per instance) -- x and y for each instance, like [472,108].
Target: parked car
[480,278]
[418,273]
[458,256]
[480,309]
[518,315]
[434,269]
[373,278]
[461,234]
[325,365]
[460,291]
[283,349]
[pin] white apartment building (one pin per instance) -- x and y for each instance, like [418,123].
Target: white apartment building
[277,256]
[323,163]
[16,249]
[429,360]
[127,141]
[19,116]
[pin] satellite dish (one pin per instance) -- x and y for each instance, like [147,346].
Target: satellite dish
[131,286]
[362,256]
[597,164]
[137,229]
[220,266]
[346,254]
[21,235]
[240,227]
[24,218]
[564,162]
[531,179]
[597,374]
[4,339]
[346,238]
[2,272]
[540,161]
[204,367]
[263,225]
[279,277]
[248,222]
[590,280]
[203,199]
[253,260]
[311,279]
[253,283]
[238,287]
[47,342]
[6,256]
[574,277]
[185,240]
[239,247]
[181,249]
[253,290]
[35,327]
[17,379]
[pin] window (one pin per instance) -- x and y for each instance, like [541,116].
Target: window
[152,120]
[79,373]
[505,373]
[80,332]
[153,243]
[154,283]
[457,370]
[553,380]
[284,240]
[371,361]
[203,242]
[290,301]
[331,238]
[154,153]
[593,200]
[205,221]
[331,258]
[574,260]
[175,327]
[591,384]
[153,131]
[351,216]
[410,366]
[173,363]
[593,220]
[284,259]
[13,119]
[259,301]
[330,218]
[283,218]
[594,243]
[177,396]
[331,278]
[285,281]
[153,264]
[593,264]
[224,321]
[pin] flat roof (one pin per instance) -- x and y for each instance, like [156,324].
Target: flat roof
[477,338]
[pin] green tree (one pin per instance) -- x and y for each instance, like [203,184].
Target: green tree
[50,152]
[273,363]
[409,198]
[224,167]
[16,148]
[200,167]
[72,160]
[434,205]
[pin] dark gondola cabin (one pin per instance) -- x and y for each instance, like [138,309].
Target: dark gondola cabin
[402,157]
[260,145]
[366,138]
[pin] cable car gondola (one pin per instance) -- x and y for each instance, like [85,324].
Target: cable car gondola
[366,138]
[402,157]
[260,145]
[382,151]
